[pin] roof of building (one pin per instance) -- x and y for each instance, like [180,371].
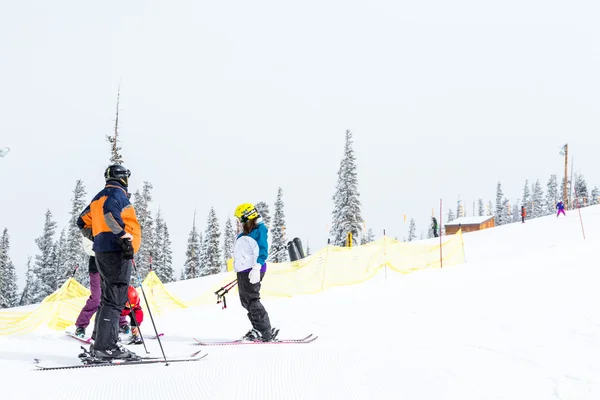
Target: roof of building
[469,220]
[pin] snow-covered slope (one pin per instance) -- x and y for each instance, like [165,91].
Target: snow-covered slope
[519,320]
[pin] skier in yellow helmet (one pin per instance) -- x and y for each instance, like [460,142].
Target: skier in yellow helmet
[250,254]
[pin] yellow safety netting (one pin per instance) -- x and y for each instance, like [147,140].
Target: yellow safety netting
[159,298]
[330,267]
[56,312]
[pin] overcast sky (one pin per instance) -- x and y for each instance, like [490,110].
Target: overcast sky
[223,102]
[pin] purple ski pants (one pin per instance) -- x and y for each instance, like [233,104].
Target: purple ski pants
[92,303]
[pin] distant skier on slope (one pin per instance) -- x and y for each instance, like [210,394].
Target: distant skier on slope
[561,209]
[434,226]
[523,213]
[250,254]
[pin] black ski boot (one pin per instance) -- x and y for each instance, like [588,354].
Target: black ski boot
[118,353]
[80,332]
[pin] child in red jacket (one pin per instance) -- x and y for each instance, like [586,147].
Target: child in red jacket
[133,309]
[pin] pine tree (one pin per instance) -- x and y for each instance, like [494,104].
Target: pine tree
[74,253]
[228,242]
[594,200]
[552,196]
[45,274]
[450,216]
[211,257]
[279,242]
[500,213]
[346,211]
[162,256]
[59,250]
[537,199]
[28,294]
[263,211]
[481,207]
[506,216]
[191,267]
[365,239]
[412,235]
[490,207]
[526,201]
[8,275]
[307,249]
[115,150]
[516,212]
[581,191]
[141,203]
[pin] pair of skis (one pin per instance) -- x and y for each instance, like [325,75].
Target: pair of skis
[90,341]
[308,339]
[90,362]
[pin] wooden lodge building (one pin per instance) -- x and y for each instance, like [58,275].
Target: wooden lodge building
[469,224]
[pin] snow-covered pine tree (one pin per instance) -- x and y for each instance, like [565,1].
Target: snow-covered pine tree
[506,211]
[346,208]
[45,274]
[365,239]
[490,207]
[228,242]
[594,196]
[500,213]
[211,257]
[480,207]
[526,201]
[191,267]
[8,276]
[263,211]
[459,209]
[74,253]
[307,249]
[115,150]
[162,256]
[27,296]
[141,203]
[412,229]
[552,195]
[168,274]
[537,200]
[581,191]
[516,211]
[278,251]
[450,216]
[58,259]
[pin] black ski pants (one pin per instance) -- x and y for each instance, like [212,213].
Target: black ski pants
[250,299]
[116,273]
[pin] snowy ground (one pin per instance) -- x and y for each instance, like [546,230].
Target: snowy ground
[519,320]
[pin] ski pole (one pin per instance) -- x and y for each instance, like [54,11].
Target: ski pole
[132,312]
[223,291]
[149,311]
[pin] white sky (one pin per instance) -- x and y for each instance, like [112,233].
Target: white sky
[221,103]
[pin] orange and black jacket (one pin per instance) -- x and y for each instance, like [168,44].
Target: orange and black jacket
[108,217]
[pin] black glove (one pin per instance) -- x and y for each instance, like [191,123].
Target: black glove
[127,248]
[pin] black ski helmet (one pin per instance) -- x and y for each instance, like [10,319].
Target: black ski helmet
[117,173]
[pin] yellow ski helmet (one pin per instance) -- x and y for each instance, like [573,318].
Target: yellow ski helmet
[245,212]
